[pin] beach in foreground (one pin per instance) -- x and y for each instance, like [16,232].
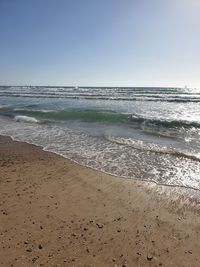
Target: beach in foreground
[54,212]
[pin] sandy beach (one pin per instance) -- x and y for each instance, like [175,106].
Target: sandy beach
[54,212]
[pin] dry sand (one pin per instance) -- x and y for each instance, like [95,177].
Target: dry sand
[54,212]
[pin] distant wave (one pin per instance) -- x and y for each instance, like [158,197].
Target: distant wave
[117,94]
[104,97]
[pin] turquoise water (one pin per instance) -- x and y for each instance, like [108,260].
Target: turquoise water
[150,134]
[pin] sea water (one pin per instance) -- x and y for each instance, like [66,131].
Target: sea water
[150,134]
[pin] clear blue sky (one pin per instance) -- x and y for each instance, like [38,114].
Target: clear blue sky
[100,42]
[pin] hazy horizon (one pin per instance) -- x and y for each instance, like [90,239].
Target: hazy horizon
[91,86]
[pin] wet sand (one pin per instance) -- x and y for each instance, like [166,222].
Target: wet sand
[54,212]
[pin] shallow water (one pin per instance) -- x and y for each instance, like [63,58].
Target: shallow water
[150,134]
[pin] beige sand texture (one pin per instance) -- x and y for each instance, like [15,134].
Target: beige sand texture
[54,212]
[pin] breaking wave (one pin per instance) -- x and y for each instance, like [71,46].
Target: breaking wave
[26,119]
[100,116]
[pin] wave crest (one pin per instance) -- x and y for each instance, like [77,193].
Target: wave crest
[21,118]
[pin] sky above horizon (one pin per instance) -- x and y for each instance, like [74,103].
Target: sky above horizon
[100,42]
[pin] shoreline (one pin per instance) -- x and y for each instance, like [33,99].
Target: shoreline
[188,192]
[55,212]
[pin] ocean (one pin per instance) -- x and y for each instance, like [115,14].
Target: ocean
[150,134]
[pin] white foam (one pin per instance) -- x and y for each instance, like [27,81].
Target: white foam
[110,157]
[21,118]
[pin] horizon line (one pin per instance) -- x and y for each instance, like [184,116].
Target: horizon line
[94,86]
